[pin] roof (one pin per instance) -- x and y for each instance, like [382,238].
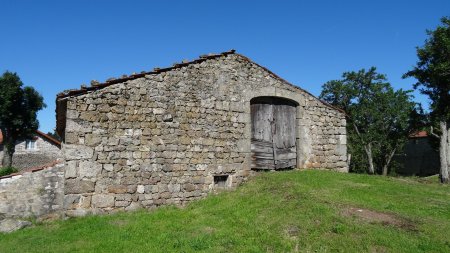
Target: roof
[418,134]
[49,138]
[97,85]
[42,135]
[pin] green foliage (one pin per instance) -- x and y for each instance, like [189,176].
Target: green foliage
[7,170]
[432,71]
[274,212]
[18,108]
[378,115]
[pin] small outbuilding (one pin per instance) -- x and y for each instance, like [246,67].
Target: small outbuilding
[39,150]
[173,134]
[419,157]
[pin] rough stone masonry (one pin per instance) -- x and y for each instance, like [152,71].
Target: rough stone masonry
[33,193]
[172,135]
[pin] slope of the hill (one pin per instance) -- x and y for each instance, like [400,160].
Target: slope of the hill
[307,211]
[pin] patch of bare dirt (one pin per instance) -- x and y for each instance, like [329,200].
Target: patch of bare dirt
[378,249]
[292,231]
[209,230]
[379,217]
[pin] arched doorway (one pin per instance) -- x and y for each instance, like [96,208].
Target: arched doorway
[273,141]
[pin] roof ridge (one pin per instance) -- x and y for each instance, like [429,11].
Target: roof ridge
[95,85]
[50,138]
[40,133]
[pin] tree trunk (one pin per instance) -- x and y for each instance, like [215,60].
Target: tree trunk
[443,152]
[368,149]
[385,170]
[7,158]
[448,152]
[388,162]
[9,149]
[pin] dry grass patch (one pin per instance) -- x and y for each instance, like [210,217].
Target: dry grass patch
[385,219]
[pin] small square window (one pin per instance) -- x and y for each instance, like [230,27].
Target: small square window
[220,181]
[30,144]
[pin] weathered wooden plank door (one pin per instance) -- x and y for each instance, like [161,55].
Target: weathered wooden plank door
[273,142]
[262,140]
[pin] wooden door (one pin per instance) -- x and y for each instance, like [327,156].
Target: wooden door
[273,141]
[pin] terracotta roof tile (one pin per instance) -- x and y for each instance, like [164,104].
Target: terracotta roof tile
[41,134]
[419,134]
[95,85]
[49,138]
[33,169]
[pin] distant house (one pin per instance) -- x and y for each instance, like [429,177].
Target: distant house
[39,150]
[419,157]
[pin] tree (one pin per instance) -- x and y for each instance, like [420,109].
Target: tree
[432,72]
[378,116]
[18,108]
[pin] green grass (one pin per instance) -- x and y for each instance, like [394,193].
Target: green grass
[274,212]
[7,170]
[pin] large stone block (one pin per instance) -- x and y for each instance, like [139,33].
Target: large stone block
[117,189]
[76,186]
[73,125]
[88,169]
[92,140]
[71,169]
[102,201]
[11,225]
[71,201]
[77,152]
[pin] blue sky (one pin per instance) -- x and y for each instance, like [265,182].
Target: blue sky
[58,45]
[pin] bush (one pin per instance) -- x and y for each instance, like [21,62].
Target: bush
[7,170]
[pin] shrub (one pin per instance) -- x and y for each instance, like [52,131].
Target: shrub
[7,170]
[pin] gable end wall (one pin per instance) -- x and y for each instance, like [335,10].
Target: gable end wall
[162,138]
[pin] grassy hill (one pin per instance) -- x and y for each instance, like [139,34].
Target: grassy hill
[309,211]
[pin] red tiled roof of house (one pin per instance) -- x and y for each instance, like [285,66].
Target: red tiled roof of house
[419,134]
[49,138]
[42,135]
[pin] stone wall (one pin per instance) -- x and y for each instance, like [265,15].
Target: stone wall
[161,139]
[419,158]
[33,193]
[44,152]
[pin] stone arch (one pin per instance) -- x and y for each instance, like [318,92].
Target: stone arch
[304,141]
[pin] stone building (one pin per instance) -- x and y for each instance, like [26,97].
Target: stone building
[419,157]
[173,134]
[37,151]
